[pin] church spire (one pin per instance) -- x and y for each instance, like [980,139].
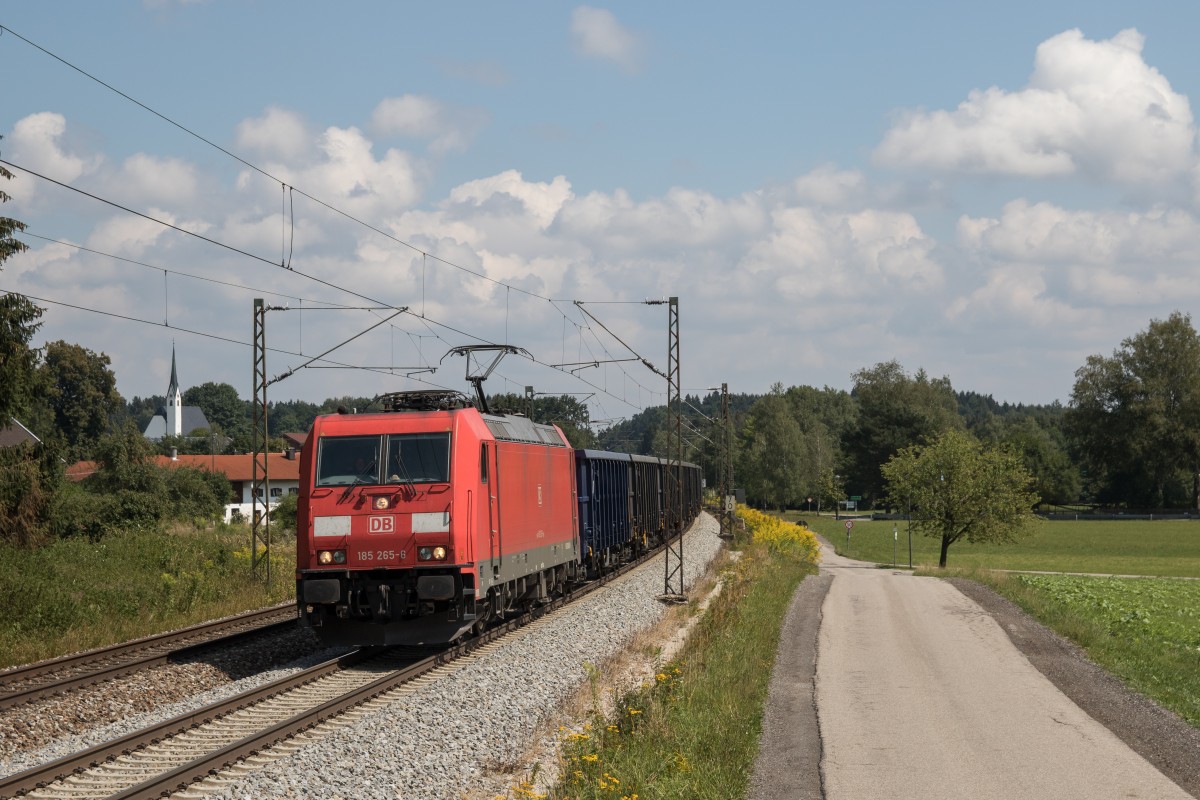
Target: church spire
[173,389]
[174,401]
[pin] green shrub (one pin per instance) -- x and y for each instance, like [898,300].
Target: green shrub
[192,494]
[285,512]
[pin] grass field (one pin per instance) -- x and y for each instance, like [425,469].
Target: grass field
[1110,547]
[76,594]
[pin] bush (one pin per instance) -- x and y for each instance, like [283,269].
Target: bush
[25,495]
[783,538]
[78,512]
[195,494]
[285,512]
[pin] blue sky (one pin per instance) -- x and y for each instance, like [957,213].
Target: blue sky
[988,192]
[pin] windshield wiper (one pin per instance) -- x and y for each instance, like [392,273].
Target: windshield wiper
[359,478]
[407,477]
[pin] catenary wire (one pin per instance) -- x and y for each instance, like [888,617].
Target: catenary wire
[285,261]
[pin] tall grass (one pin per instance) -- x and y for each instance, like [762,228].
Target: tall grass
[692,733]
[75,594]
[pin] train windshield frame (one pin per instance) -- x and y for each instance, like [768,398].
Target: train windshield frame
[418,458]
[348,460]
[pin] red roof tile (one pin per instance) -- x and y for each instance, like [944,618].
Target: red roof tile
[235,468]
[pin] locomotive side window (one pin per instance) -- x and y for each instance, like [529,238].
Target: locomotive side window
[346,460]
[418,458]
[483,463]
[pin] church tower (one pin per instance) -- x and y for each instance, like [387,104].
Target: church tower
[174,402]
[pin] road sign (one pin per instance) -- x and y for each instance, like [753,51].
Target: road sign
[849,524]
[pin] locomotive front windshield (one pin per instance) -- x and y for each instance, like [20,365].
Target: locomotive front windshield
[411,458]
[418,458]
[343,460]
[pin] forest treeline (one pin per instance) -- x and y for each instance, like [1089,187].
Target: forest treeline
[1128,437]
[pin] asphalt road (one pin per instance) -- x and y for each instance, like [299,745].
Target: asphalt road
[919,693]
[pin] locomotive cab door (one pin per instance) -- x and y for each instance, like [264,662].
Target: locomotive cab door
[492,478]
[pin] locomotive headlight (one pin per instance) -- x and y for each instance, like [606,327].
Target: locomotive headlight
[339,556]
[327,557]
[431,553]
[381,503]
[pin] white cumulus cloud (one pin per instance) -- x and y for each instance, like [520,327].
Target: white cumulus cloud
[158,180]
[421,117]
[1091,108]
[36,143]
[278,133]
[596,33]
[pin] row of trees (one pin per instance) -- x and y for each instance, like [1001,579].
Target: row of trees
[1129,437]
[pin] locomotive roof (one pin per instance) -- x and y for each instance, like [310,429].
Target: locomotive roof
[514,428]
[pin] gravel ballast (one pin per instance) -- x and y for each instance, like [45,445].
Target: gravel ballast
[463,733]
[47,721]
[122,706]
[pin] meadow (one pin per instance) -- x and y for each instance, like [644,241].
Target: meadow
[1168,548]
[76,594]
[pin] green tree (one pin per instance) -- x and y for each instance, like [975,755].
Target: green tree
[79,391]
[830,491]
[1043,451]
[284,512]
[28,476]
[961,488]
[771,452]
[291,416]
[221,406]
[124,461]
[139,410]
[1135,417]
[895,410]
[195,494]
[18,323]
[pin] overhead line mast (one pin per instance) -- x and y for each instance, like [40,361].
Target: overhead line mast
[673,588]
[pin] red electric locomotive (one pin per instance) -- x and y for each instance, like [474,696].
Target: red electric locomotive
[424,521]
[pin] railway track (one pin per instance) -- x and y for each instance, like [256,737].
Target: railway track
[171,756]
[56,676]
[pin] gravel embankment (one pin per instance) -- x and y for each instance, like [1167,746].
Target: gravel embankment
[41,731]
[449,739]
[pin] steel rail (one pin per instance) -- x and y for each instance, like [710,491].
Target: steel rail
[182,776]
[96,666]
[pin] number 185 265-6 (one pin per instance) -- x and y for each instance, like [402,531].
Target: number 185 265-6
[380,555]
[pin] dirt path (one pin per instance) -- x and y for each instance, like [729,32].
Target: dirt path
[918,690]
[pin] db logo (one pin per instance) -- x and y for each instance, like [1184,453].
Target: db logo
[381,524]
